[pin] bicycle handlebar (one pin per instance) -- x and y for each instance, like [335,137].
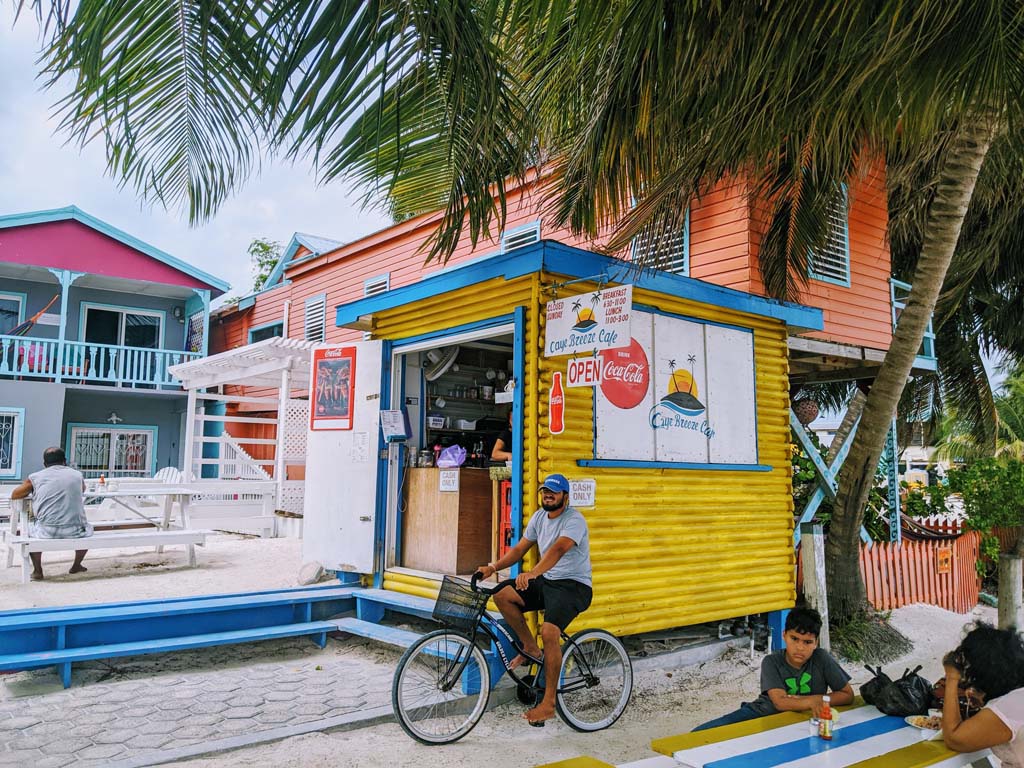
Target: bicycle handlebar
[475,585]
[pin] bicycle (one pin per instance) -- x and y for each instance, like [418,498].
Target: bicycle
[443,682]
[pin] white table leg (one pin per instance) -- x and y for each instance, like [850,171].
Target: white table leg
[183,506]
[26,564]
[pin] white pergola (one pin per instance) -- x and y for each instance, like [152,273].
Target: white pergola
[281,364]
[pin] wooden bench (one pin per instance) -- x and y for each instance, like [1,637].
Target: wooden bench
[36,638]
[106,540]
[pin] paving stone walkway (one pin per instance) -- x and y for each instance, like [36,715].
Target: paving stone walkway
[125,709]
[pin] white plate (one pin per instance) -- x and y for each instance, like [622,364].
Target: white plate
[927,733]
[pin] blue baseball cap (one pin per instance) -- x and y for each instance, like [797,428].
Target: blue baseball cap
[556,483]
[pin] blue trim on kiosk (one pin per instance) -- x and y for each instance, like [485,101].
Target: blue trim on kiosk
[560,259]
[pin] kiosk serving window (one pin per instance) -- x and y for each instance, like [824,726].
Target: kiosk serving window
[682,392]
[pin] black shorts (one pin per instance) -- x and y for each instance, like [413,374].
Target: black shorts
[562,600]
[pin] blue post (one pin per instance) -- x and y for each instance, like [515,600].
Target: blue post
[893,475]
[776,626]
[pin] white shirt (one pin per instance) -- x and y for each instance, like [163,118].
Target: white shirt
[1010,709]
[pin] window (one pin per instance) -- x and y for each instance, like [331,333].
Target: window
[12,429]
[832,264]
[376,285]
[97,450]
[266,331]
[315,320]
[12,311]
[520,236]
[670,253]
[123,326]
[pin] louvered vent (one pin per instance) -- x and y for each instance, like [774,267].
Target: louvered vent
[833,262]
[315,319]
[520,236]
[669,254]
[376,285]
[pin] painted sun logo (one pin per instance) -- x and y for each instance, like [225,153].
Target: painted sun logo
[585,316]
[682,391]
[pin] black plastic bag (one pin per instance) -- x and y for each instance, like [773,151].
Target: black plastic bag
[910,695]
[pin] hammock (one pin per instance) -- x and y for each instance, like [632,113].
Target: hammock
[22,329]
[33,352]
[917,532]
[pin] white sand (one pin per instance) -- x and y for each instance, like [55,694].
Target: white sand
[228,563]
[664,703]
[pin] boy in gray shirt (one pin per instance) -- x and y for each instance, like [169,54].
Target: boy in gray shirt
[794,678]
[559,584]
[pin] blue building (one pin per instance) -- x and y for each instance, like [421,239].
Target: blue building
[91,319]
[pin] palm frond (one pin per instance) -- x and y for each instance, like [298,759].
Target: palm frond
[172,87]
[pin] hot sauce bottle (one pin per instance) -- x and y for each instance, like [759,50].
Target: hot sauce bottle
[825,719]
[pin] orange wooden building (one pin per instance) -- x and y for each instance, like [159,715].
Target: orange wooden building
[850,281]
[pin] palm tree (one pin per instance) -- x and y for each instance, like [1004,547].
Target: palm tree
[632,109]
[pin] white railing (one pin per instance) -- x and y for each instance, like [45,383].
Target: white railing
[85,362]
[236,463]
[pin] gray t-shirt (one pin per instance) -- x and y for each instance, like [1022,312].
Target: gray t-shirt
[819,675]
[57,497]
[574,564]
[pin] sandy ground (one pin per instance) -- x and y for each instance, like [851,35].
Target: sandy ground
[664,703]
[228,563]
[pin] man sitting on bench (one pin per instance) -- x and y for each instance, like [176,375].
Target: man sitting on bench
[57,505]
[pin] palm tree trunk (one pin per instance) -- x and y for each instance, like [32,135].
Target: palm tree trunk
[853,411]
[953,191]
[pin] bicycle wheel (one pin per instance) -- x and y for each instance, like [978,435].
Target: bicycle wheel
[441,687]
[595,681]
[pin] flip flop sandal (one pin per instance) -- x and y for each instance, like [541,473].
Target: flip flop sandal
[537,724]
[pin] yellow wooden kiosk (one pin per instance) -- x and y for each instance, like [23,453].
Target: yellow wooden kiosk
[663,398]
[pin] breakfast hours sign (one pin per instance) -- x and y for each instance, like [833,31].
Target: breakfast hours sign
[588,322]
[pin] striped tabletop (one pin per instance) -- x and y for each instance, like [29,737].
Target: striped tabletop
[864,738]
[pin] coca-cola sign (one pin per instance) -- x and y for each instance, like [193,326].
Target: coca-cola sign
[625,375]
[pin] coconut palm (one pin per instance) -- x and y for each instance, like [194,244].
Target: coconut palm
[631,109]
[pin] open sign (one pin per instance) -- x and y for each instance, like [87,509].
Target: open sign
[583,372]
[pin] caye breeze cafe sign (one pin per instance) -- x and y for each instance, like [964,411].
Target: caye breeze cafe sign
[588,322]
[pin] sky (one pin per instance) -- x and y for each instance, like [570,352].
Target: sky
[39,170]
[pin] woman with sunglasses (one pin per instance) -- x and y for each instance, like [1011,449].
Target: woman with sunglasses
[991,661]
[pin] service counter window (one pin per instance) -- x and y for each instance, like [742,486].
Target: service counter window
[682,393]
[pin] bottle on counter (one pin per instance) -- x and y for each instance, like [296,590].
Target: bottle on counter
[825,719]
[102,483]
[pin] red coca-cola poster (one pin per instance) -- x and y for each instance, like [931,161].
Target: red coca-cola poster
[625,375]
[332,388]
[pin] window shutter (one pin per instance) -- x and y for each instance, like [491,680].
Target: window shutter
[520,236]
[670,254]
[833,262]
[314,328]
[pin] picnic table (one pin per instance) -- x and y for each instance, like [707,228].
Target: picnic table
[131,498]
[864,738]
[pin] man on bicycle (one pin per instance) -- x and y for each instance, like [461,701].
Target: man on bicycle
[559,584]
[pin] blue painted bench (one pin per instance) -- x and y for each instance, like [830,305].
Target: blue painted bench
[42,637]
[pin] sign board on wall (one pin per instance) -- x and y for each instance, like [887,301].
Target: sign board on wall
[332,384]
[682,391]
[588,322]
[448,480]
[944,560]
[582,492]
[583,372]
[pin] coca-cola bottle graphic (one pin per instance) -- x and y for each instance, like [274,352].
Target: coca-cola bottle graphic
[556,405]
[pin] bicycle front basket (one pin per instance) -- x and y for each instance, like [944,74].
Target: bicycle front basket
[458,606]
